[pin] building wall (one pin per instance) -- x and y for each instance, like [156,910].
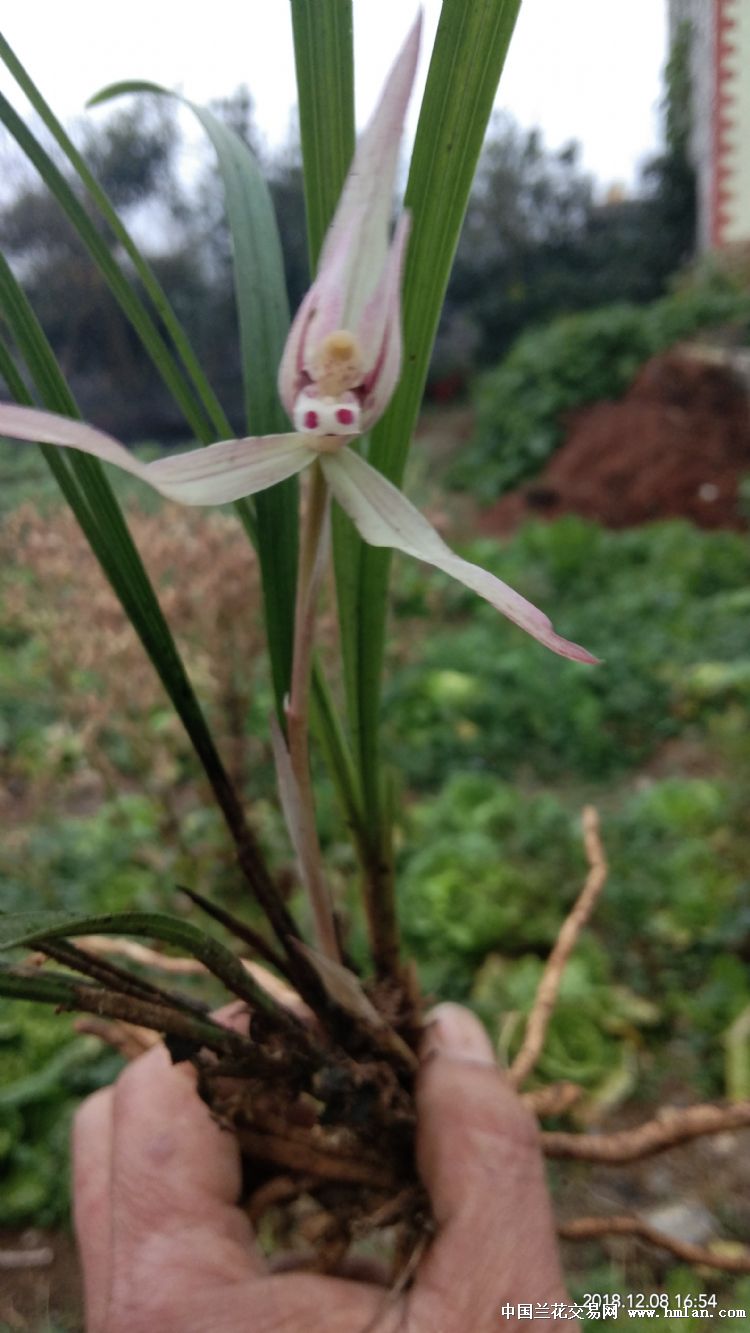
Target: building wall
[720,76]
[700,14]
[732,118]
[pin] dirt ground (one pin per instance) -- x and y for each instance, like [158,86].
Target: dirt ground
[677,445]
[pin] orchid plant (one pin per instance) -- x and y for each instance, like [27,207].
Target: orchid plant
[329,1104]
[338,371]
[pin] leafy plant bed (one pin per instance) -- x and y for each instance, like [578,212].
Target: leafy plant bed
[476,851]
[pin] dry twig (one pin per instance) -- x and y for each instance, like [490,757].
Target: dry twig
[142,953]
[594,1228]
[129,1040]
[669,1128]
[549,986]
[39,1258]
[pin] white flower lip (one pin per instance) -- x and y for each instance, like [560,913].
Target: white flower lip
[316,415]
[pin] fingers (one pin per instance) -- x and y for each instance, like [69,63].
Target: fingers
[478,1154]
[92,1154]
[162,1243]
[174,1170]
[156,1180]
[164,1246]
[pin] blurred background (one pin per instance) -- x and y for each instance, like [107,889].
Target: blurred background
[585,434]
[579,173]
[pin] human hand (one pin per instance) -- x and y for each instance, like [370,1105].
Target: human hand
[165,1250]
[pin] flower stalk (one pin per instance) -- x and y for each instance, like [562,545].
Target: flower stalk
[313,556]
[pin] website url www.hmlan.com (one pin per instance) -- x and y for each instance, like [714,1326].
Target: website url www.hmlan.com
[685,1314]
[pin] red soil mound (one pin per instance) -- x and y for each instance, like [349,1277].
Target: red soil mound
[676,446]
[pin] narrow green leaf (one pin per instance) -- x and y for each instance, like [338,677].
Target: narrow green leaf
[125,295]
[109,974]
[57,464]
[263,315]
[42,987]
[98,196]
[337,753]
[98,511]
[467,60]
[144,271]
[202,410]
[324,60]
[18,929]
[72,993]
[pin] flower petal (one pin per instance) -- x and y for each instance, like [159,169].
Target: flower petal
[226,471]
[384,517]
[229,470]
[380,331]
[364,209]
[319,314]
[355,263]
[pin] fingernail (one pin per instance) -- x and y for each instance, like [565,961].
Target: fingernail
[452,1030]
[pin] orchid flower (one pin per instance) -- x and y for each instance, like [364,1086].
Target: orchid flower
[338,371]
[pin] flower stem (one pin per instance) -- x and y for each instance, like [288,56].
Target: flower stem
[313,554]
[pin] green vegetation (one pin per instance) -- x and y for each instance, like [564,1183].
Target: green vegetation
[503,746]
[664,606]
[496,869]
[496,745]
[577,359]
[45,1069]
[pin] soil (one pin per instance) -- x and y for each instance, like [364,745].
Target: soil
[676,446]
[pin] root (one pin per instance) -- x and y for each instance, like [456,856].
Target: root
[669,1128]
[549,986]
[595,1228]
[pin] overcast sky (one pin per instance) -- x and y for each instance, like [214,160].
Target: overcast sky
[579,69]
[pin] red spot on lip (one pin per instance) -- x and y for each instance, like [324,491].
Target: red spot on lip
[345,416]
[311,420]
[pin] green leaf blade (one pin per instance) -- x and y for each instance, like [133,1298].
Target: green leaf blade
[324,62]
[465,68]
[263,315]
[24,929]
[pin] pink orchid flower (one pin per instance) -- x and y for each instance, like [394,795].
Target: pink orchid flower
[340,366]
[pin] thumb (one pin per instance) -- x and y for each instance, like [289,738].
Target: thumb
[478,1154]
